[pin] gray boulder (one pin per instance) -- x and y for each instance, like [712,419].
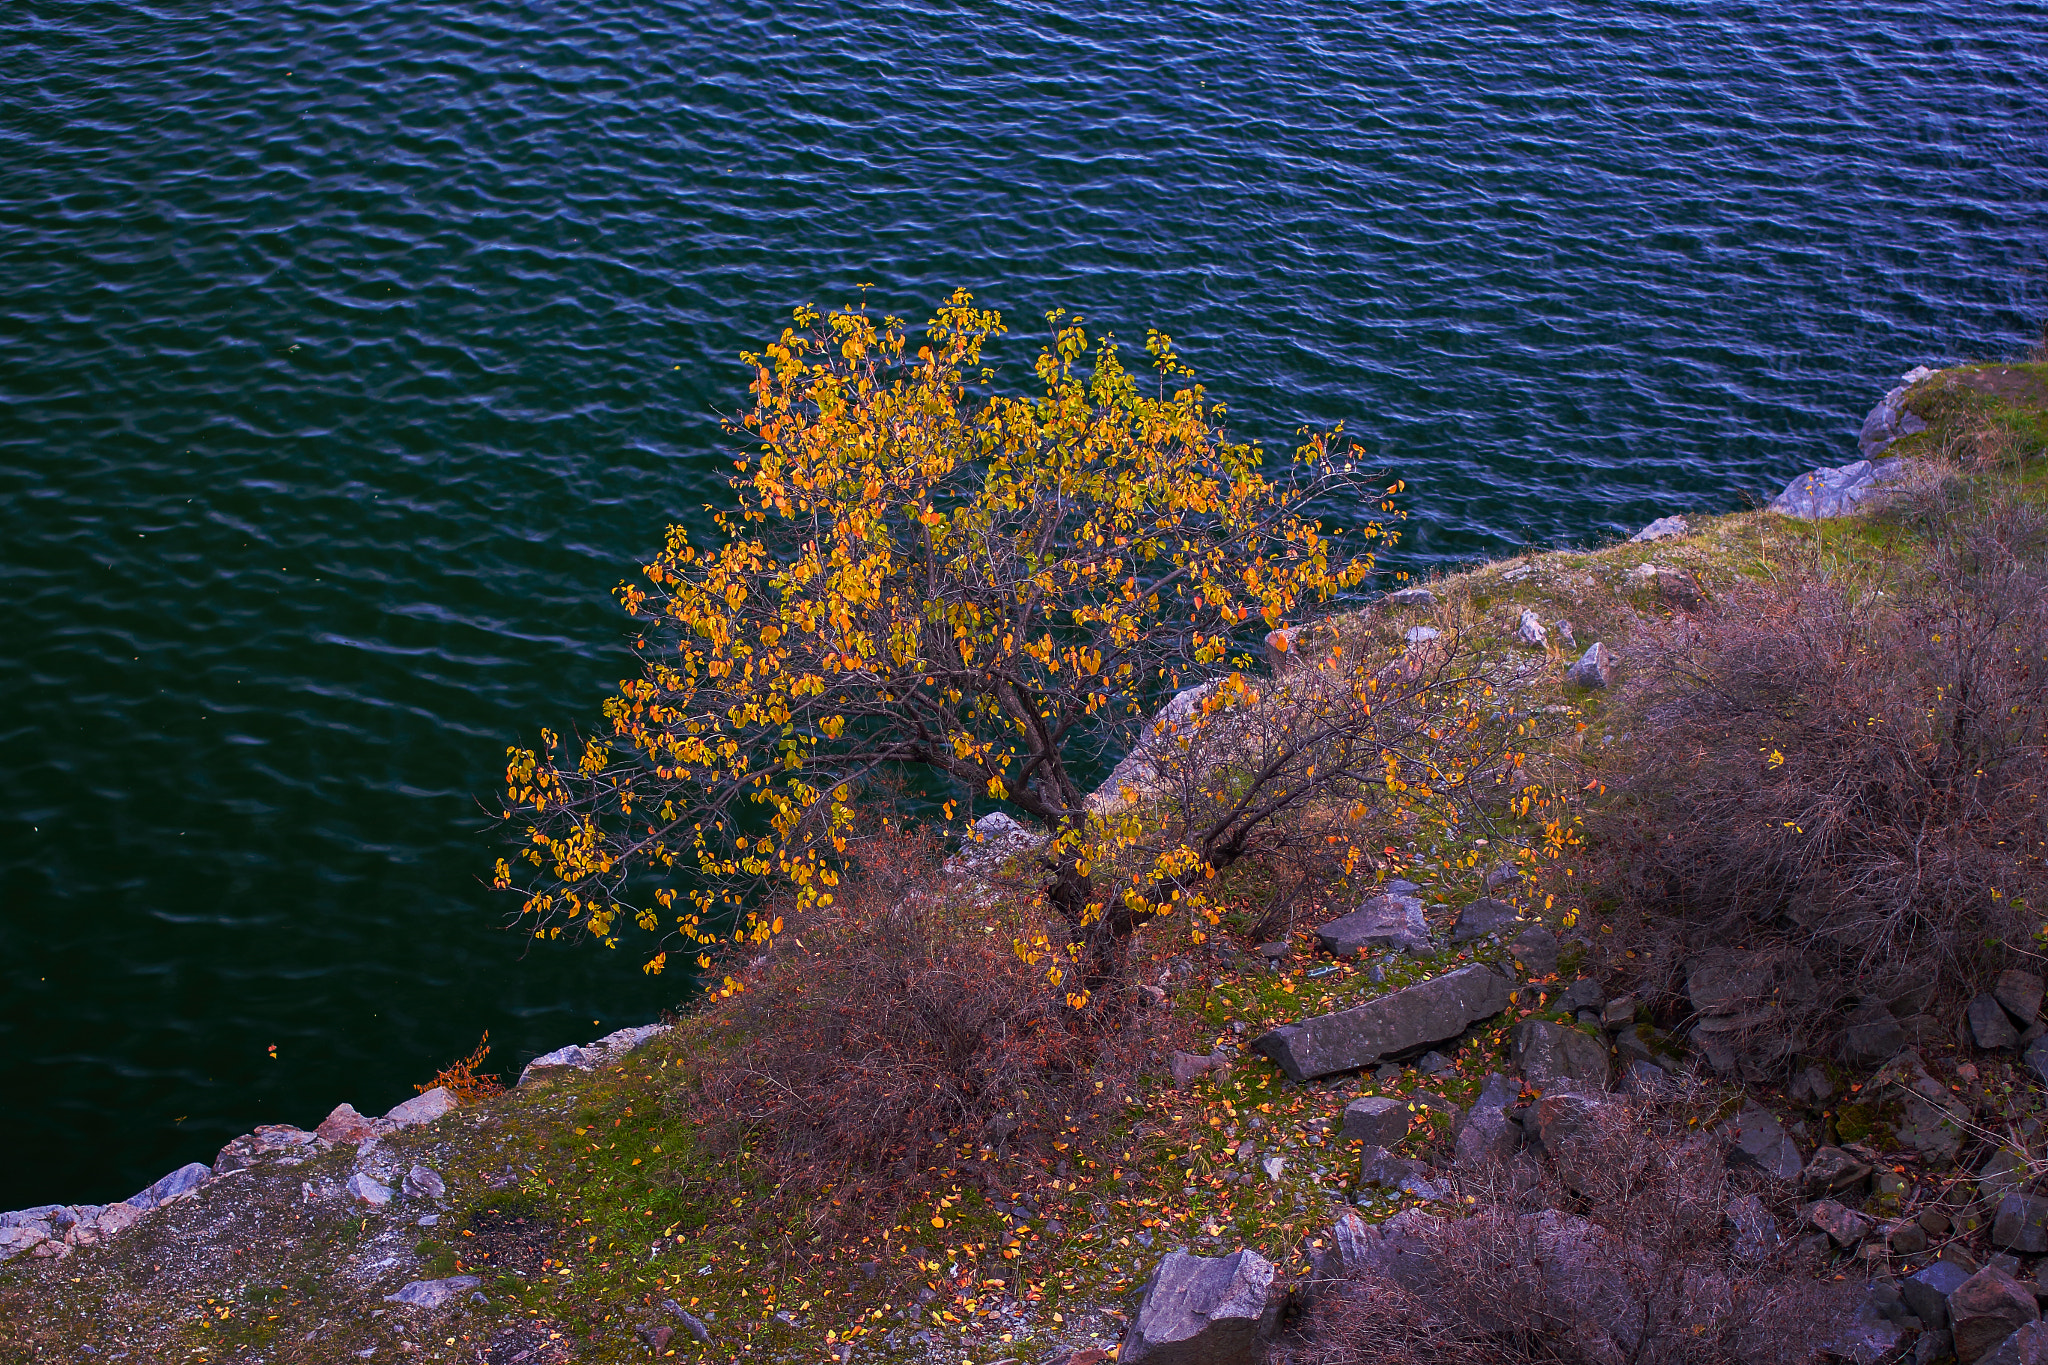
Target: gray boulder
[423,1182]
[1989,1026]
[187,1177]
[1382,922]
[1843,489]
[2020,993]
[1411,597]
[433,1293]
[1926,1292]
[1429,1012]
[1762,1139]
[1201,1310]
[1530,631]
[1889,420]
[2027,1346]
[368,1190]
[2021,1224]
[1535,952]
[1554,1057]
[1873,1036]
[1379,1121]
[1663,528]
[1595,667]
[1986,1309]
[1482,917]
[1488,1136]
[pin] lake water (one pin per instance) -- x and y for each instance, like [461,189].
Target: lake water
[350,353]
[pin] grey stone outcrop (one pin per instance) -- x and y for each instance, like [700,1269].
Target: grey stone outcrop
[1986,1309]
[1429,1012]
[1889,420]
[1842,489]
[1201,1310]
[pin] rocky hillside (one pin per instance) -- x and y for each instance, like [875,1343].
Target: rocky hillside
[1323,1119]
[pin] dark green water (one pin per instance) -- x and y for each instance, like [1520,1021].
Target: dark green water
[351,353]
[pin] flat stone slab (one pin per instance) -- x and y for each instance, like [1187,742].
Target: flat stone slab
[1382,922]
[1433,1011]
[433,1293]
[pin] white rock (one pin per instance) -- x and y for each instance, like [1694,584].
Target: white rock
[1419,635]
[423,1108]
[1411,597]
[1663,528]
[433,1293]
[1530,631]
[368,1190]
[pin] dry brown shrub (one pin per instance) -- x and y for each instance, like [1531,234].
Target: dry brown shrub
[1628,1260]
[897,1028]
[461,1078]
[1850,774]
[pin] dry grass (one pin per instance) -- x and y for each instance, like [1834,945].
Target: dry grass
[1851,774]
[892,1031]
[1617,1251]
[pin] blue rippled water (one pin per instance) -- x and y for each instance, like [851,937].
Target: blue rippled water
[350,353]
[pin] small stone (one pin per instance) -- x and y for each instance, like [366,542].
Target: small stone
[1433,1063]
[1562,629]
[1908,1239]
[433,1293]
[368,1190]
[691,1323]
[1594,669]
[1187,1066]
[657,1336]
[2020,993]
[2021,1224]
[1583,994]
[1378,1121]
[1811,1087]
[1989,1025]
[1421,635]
[1530,630]
[423,1183]
[1873,1036]
[2036,1058]
[1273,1166]
[1387,1074]
[1832,1170]
[1385,921]
[1843,1226]
[1619,1012]
[1936,1222]
[1411,597]
[1986,1309]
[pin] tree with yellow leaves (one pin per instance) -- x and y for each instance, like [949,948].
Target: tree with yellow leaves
[986,594]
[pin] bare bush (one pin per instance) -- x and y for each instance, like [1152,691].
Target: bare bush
[1855,775]
[888,1027]
[1619,1251]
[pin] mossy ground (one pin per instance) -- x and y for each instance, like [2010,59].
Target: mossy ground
[585,1202]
